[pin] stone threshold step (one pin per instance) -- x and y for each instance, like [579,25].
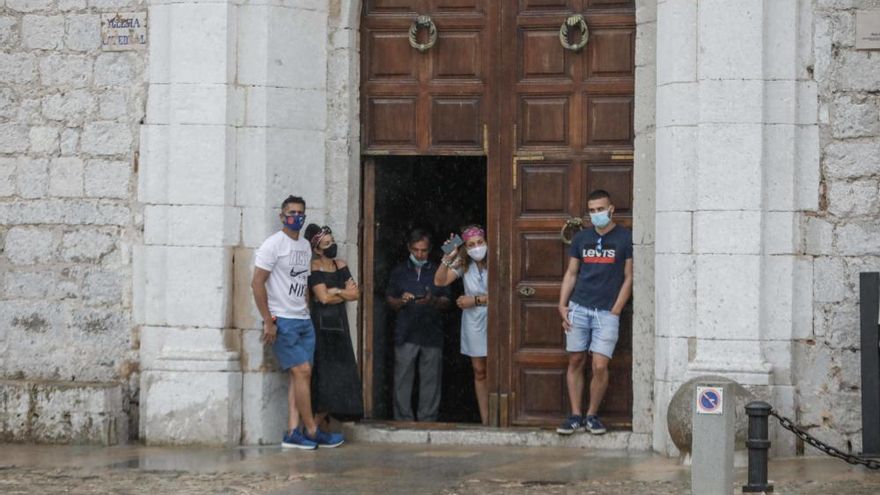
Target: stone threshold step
[483,436]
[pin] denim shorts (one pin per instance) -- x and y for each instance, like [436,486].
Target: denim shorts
[294,342]
[593,329]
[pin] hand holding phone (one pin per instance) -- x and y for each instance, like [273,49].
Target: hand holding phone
[452,244]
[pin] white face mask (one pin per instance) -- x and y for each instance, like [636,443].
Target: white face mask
[478,253]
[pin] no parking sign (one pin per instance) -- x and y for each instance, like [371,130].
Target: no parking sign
[710,400]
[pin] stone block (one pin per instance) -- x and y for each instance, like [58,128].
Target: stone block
[17,68]
[855,116]
[106,287]
[187,286]
[42,32]
[8,103]
[644,118]
[29,112]
[661,441]
[191,225]
[7,176]
[264,407]
[807,169]
[790,102]
[32,177]
[83,32]
[28,5]
[297,48]
[72,71]
[13,138]
[676,174]
[208,58]
[67,212]
[107,179]
[244,313]
[112,104]
[781,232]
[106,138]
[671,357]
[858,239]
[306,174]
[781,39]
[44,285]
[730,170]
[731,101]
[116,68]
[728,306]
[71,5]
[721,56]
[88,245]
[9,36]
[177,157]
[30,245]
[253,42]
[849,159]
[859,70]
[857,198]
[251,169]
[818,236]
[727,232]
[69,141]
[158,70]
[286,108]
[63,412]
[70,106]
[44,139]
[675,295]
[780,158]
[676,234]
[678,104]
[66,177]
[787,281]
[154,340]
[186,408]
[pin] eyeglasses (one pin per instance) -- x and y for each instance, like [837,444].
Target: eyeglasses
[599,245]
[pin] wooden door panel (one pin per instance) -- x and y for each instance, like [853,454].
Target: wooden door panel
[611,53]
[392,121]
[540,325]
[456,122]
[609,120]
[462,6]
[544,191]
[617,179]
[542,394]
[395,6]
[544,121]
[390,56]
[541,55]
[530,6]
[543,257]
[459,56]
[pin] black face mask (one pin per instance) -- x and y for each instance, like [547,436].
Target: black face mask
[330,252]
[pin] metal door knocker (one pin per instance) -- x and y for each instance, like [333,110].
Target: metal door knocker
[572,21]
[422,21]
[573,223]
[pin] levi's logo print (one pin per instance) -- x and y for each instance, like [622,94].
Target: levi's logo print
[599,254]
[299,268]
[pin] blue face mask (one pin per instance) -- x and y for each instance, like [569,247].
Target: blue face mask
[601,219]
[416,261]
[294,222]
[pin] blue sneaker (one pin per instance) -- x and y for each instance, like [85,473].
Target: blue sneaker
[296,440]
[572,424]
[327,440]
[593,425]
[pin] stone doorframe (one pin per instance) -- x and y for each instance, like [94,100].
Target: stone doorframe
[262,103]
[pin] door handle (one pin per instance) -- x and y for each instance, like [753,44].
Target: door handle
[526,291]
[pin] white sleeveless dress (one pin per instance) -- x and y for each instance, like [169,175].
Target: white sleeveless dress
[474,320]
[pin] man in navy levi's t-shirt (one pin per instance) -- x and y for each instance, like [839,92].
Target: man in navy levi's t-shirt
[595,289]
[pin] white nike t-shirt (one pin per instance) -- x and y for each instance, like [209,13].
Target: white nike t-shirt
[289,262]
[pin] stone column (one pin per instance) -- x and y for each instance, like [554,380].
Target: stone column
[190,389]
[736,163]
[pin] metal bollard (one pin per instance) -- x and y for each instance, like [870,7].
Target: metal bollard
[758,444]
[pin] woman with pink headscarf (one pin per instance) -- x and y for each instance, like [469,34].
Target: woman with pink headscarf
[472,269]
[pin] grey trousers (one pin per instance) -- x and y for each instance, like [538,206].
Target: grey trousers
[430,362]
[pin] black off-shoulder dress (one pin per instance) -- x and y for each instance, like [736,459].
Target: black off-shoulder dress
[336,384]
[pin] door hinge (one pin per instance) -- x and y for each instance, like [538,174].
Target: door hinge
[527,157]
[493,409]
[504,406]
[486,139]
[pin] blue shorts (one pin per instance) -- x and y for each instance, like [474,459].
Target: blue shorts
[593,329]
[294,342]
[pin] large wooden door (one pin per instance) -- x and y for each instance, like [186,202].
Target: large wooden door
[567,129]
[554,125]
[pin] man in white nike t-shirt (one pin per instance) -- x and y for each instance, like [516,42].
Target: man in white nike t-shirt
[280,286]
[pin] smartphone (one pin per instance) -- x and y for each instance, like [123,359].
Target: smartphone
[451,245]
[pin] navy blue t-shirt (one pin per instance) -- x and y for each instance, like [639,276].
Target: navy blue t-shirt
[601,272]
[420,324]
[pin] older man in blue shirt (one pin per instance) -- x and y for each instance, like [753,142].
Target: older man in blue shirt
[418,335]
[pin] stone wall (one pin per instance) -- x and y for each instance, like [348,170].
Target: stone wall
[843,236]
[69,117]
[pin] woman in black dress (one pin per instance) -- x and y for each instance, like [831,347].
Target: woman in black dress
[336,385]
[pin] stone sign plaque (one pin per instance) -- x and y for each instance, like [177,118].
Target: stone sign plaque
[124,31]
[868,30]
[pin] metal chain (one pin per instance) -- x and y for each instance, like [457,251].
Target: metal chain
[815,442]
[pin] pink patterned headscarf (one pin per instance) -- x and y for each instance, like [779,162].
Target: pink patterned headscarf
[473,232]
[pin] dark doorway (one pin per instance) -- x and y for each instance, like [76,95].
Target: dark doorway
[438,194]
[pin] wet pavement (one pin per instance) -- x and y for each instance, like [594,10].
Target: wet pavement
[386,470]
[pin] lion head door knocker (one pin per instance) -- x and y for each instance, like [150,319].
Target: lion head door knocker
[571,227]
[574,21]
[422,21]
